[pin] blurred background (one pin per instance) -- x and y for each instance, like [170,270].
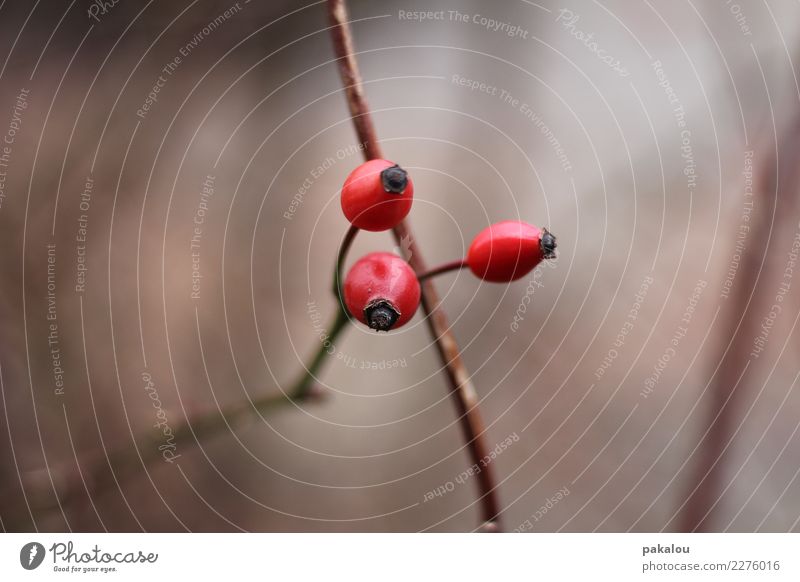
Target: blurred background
[170,214]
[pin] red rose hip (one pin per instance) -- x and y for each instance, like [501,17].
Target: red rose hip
[381,291]
[509,250]
[377,195]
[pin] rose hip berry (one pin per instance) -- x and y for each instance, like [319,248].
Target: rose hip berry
[381,291]
[509,250]
[377,195]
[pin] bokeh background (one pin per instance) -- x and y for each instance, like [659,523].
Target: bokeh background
[649,383]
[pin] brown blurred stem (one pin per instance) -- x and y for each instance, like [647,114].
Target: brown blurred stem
[442,269]
[774,207]
[461,388]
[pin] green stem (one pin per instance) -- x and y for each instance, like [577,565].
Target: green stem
[303,385]
[126,461]
[299,391]
[347,242]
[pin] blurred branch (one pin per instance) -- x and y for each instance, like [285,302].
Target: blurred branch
[461,388]
[780,179]
[103,472]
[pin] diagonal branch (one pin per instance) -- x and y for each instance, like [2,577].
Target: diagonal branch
[461,388]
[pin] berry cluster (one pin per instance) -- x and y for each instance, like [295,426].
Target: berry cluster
[381,290]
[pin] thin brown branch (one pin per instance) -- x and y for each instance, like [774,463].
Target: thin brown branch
[442,269]
[461,388]
[775,206]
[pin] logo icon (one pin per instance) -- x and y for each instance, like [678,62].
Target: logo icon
[31,555]
[404,248]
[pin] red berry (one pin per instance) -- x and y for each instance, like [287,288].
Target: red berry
[381,291]
[509,250]
[377,195]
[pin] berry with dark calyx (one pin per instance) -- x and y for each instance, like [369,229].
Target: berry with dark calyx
[381,315]
[377,195]
[381,291]
[509,250]
[548,244]
[394,179]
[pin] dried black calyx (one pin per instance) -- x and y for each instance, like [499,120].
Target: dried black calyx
[395,179]
[548,244]
[381,315]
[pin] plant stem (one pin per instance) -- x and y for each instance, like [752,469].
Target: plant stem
[441,269]
[302,387]
[461,389]
[775,209]
[103,473]
[349,237]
